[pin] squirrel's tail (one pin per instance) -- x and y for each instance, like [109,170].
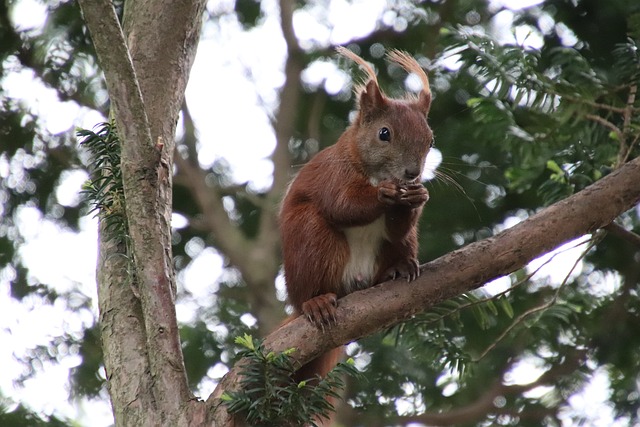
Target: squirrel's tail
[320,366]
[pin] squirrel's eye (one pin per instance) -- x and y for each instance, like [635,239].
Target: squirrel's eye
[384,134]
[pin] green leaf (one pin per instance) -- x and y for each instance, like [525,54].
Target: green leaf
[472,102]
[553,166]
[505,304]
[245,341]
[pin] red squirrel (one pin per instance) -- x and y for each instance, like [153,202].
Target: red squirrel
[349,218]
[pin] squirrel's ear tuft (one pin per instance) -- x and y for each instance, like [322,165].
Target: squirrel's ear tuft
[410,65]
[372,101]
[361,62]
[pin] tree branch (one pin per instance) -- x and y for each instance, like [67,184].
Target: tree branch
[484,404]
[258,259]
[623,233]
[162,36]
[228,237]
[606,123]
[365,312]
[625,146]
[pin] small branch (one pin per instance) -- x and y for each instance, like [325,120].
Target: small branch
[286,24]
[284,124]
[606,123]
[623,233]
[630,148]
[597,105]
[189,139]
[229,238]
[628,110]
[506,291]
[484,404]
[524,315]
[625,148]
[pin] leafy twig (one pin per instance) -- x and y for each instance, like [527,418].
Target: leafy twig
[594,240]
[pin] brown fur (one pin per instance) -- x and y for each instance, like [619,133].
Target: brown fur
[344,191]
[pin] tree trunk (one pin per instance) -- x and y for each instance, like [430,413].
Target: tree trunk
[146,77]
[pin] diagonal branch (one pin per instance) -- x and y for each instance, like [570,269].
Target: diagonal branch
[623,233]
[606,123]
[365,312]
[229,238]
[285,119]
[625,146]
[257,259]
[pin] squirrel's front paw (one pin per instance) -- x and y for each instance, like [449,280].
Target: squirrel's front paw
[415,195]
[409,269]
[321,310]
[410,195]
[390,193]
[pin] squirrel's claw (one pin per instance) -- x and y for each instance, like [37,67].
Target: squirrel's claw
[409,269]
[410,195]
[321,310]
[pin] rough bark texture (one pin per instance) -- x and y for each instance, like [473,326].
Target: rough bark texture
[122,329]
[365,312]
[146,83]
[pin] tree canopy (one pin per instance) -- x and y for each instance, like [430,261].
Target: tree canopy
[531,106]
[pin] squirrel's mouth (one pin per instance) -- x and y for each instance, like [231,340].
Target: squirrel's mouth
[405,181]
[402,180]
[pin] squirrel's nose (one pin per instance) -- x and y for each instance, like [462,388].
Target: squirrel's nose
[411,174]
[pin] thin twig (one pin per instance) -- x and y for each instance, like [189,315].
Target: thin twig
[625,148]
[598,105]
[606,123]
[592,242]
[623,233]
[506,291]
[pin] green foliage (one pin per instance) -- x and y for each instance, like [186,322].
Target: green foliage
[545,110]
[269,395]
[105,190]
[199,348]
[85,378]
[248,12]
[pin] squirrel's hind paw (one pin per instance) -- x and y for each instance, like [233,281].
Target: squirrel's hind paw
[408,269]
[321,310]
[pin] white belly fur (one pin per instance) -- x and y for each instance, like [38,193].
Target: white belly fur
[364,245]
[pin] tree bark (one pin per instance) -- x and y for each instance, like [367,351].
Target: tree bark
[146,82]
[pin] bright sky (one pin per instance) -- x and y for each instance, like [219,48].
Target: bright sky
[229,54]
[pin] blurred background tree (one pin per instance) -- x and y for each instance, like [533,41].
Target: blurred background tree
[532,103]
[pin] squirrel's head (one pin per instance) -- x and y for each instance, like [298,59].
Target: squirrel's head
[392,135]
